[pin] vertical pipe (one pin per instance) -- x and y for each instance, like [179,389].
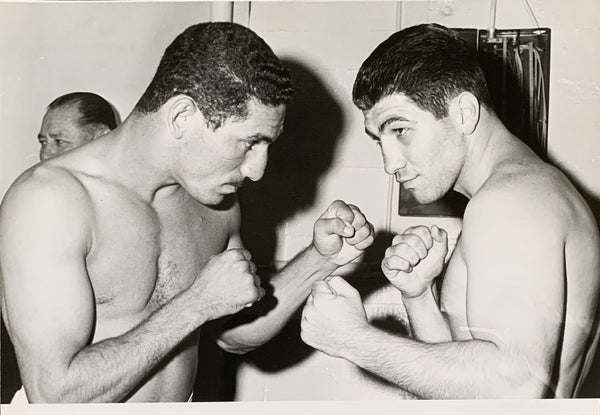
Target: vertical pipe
[221,11]
[492,26]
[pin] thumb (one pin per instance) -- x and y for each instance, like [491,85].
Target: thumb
[438,234]
[320,288]
[339,286]
[336,226]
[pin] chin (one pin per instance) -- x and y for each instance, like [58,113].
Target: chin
[425,198]
[208,199]
[213,200]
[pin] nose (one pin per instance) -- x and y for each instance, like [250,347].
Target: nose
[393,159]
[47,152]
[254,166]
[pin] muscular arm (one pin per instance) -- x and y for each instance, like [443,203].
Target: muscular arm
[427,322]
[514,306]
[291,285]
[413,262]
[49,305]
[341,234]
[452,370]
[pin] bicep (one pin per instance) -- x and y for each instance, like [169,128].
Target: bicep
[515,289]
[48,299]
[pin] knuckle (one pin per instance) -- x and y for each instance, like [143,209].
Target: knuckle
[397,239]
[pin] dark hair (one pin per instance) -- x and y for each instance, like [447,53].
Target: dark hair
[94,110]
[220,66]
[428,63]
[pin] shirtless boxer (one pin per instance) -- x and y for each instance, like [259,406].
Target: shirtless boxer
[114,254]
[72,120]
[519,295]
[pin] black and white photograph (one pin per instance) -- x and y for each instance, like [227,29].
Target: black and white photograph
[300,206]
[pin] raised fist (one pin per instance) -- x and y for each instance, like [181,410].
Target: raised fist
[228,283]
[342,233]
[415,259]
[332,315]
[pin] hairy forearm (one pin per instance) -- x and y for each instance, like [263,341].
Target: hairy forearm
[451,370]
[427,322]
[110,370]
[291,286]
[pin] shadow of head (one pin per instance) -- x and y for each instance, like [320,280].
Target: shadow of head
[297,160]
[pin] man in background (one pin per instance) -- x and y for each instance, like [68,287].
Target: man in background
[133,239]
[72,120]
[517,312]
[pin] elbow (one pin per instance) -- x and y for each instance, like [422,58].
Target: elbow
[55,388]
[531,388]
[234,347]
[519,386]
[53,391]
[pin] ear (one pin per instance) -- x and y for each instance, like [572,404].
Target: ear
[181,108]
[465,109]
[100,132]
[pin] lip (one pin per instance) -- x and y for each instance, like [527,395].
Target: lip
[232,187]
[403,181]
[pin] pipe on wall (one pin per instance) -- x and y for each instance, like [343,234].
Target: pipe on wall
[221,11]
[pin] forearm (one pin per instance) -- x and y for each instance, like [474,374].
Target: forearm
[291,286]
[109,370]
[452,370]
[427,322]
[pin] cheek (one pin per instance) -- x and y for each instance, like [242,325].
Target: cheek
[451,155]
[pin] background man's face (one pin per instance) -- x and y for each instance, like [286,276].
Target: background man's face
[423,153]
[60,132]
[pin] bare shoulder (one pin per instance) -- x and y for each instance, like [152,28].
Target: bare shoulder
[525,197]
[45,196]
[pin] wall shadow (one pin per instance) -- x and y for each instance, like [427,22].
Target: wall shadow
[297,160]
[301,155]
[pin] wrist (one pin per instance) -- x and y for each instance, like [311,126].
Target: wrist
[416,298]
[325,263]
[355,343]
[196,312]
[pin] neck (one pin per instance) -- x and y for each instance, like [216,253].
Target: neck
[135,155]
[487,147]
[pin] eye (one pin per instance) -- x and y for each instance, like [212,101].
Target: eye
[249,144]
[400,132]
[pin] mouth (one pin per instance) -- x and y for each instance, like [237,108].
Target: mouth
[403,180]
[233,187]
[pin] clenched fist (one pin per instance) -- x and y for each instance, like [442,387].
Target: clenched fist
[228,283]
[333,314]
[415,259]
[342,233]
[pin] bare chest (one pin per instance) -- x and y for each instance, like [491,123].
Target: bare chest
[144,256]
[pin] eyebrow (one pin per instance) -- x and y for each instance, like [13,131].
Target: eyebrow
[391,120]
